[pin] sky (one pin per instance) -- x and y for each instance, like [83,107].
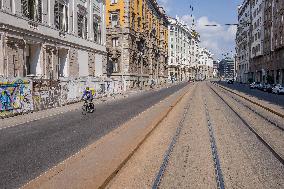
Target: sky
[218,40]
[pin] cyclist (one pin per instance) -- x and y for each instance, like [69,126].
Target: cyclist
[152,84]
[88,96]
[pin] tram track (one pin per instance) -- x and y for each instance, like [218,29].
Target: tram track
[120,167]
[251,128]
[215,155]
[170,148]
[251,101]
[213,146]
[266,118]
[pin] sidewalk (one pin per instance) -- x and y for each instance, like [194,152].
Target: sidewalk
[34,116]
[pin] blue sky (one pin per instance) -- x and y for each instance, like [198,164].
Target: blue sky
[217,39]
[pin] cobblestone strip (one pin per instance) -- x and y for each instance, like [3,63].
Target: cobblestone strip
[217,165]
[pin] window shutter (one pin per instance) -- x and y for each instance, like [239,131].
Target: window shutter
[39,8]
[25,8]
[79,23]
[86,27]
[56,15]
[66,18]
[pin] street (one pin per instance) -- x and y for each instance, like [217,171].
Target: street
[30,149]
[211,138]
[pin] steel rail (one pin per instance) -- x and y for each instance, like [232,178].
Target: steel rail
[214,151]
[167,155]
[254,111]
[253,102]
[270,148]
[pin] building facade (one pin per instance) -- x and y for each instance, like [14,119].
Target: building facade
[266,57]
[243,41]
[227,68]
[257,39]
[270,67]
[205,66]
[181,53]
[276,71]
[216,68]
[195,51]
[137,42]
[52,39]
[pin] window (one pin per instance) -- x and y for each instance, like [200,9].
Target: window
[61,16]
[82,25]
[114,19]
[97,30]
[115,42]
[32,9]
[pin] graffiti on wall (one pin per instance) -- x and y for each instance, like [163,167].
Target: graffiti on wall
[25,95]
[15,96]
[72,90]
[46,94]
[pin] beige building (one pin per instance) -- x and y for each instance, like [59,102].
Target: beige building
[183,51]
[205,65]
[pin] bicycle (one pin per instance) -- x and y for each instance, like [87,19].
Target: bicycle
[88,107]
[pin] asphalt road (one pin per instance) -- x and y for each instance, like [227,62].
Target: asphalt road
[272,98]
[28,150]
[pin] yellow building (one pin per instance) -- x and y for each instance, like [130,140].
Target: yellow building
[137,41]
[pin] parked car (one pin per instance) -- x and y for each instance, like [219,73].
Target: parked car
[230,81]
[265,87]
[260,86]
[278,89]
[254,85]
[269,89]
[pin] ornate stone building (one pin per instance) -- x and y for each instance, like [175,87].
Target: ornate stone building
[50,39]
[137,42]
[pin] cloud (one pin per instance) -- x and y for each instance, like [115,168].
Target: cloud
[219,39]
[165,4]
